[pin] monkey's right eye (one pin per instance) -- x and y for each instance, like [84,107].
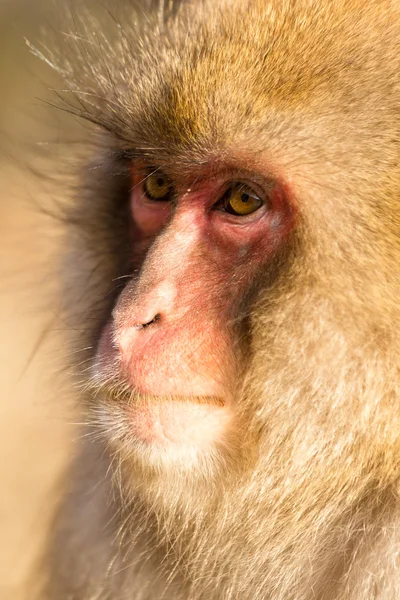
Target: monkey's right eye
[157,186]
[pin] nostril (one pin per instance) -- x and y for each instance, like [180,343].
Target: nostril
[154,320]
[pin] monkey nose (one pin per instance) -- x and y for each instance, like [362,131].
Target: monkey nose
[143,315]
[155,305]
[129,337]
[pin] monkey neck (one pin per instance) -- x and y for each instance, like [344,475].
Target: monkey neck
[273,532]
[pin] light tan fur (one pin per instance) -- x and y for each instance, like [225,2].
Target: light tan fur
[303,503]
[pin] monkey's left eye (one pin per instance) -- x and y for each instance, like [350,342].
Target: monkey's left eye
[240,200]
[157,186]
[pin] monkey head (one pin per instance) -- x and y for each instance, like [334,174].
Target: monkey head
[241,255]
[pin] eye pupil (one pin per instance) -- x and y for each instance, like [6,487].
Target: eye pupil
[157,187]
[240,200]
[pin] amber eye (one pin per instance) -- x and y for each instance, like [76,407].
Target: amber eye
[157,186]
[241,200]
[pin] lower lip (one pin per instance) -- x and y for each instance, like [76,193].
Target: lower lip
[179,422]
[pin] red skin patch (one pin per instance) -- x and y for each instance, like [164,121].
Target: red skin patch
[171,329]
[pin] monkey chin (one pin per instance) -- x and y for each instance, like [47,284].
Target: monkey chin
[158,432]
[178,431]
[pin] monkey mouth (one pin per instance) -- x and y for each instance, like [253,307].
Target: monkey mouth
[162,369]
[118,390]
[163,421]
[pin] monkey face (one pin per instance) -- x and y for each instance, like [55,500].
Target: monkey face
[173,354]
[240,268]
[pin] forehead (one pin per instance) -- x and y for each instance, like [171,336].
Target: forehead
[231,76]
[274,77]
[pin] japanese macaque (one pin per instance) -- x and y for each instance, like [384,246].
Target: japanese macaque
[233,281]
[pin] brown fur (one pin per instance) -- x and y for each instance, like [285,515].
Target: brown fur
[303,504]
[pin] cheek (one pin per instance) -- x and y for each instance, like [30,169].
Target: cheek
[148,216]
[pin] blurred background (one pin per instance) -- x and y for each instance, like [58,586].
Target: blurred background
[36,427]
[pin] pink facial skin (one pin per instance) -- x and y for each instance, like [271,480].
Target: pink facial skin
[171,334]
